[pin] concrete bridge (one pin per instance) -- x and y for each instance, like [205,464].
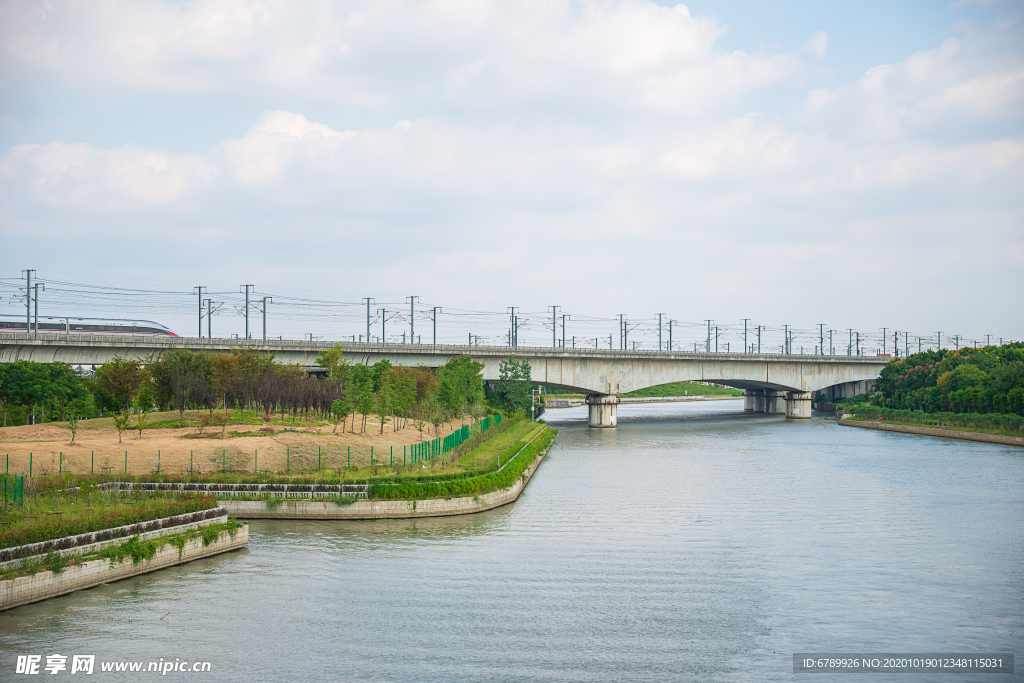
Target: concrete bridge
[772,383]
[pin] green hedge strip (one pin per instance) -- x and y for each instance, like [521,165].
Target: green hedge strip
[1011,424]
[471,486]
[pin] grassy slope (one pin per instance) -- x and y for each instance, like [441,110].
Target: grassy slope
[683,389]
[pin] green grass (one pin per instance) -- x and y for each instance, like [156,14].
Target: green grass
[998,424]
[683,389]
[56,514]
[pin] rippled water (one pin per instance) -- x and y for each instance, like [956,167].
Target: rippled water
[694,542]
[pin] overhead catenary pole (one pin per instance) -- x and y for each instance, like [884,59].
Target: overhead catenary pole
[209,317]
[412,318]
[247,288]
[883,340]
[759,328]
[199,290]
[368,301]
[707,346]
[383,320]
[266,299]
[670,333]
[785,339]
[940,341]
[437,309]
[746,349]
[36,287]
[512,325]
[660,325]
[28,300]
[564,317]
[554,326]
[821,335]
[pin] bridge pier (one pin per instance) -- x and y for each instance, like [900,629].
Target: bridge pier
[604,410]
[798,404]
[748,399]
[775,402]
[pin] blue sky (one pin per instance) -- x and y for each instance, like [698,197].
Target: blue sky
[796,163]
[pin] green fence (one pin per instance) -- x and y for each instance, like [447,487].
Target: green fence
[14,489]
[428,450]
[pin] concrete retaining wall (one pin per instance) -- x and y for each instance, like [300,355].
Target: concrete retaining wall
[45,584]
[944,433]
[382,509]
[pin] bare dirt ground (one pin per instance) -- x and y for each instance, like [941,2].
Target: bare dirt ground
[302,447]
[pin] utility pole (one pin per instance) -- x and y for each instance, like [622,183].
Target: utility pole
[265,300]
[28,300]
[209,317]
[36,286]
[437,309]
[564,316]
[708,345]
[412,318]
[247,287]
[659,331]
[554,326]
[746,348]
[199,290]
[383,319]
[368,301]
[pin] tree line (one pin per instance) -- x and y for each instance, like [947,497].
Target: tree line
[249,380]
[969,380]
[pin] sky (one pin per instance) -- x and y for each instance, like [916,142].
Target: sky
[807,166]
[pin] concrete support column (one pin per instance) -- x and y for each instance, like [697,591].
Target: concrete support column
[604,410]
[775,402]
[748,399]
[798,405]
[759,404]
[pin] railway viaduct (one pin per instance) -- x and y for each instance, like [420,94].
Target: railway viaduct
[772,383]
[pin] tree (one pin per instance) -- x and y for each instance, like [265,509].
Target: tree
[16,380]
[122,378]
[514,384]
[335,363]
[122,421]
[141,422]
[340,408]
[65,386]
[460,384]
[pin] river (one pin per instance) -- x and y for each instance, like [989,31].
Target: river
[694,542]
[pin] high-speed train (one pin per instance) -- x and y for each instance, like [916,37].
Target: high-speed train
[68,325]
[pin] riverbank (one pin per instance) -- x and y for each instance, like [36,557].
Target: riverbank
[45,584]
[931,431]
[514,472]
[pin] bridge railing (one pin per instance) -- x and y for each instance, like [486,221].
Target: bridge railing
[301,345]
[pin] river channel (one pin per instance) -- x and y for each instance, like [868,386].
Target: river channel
[694,542]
